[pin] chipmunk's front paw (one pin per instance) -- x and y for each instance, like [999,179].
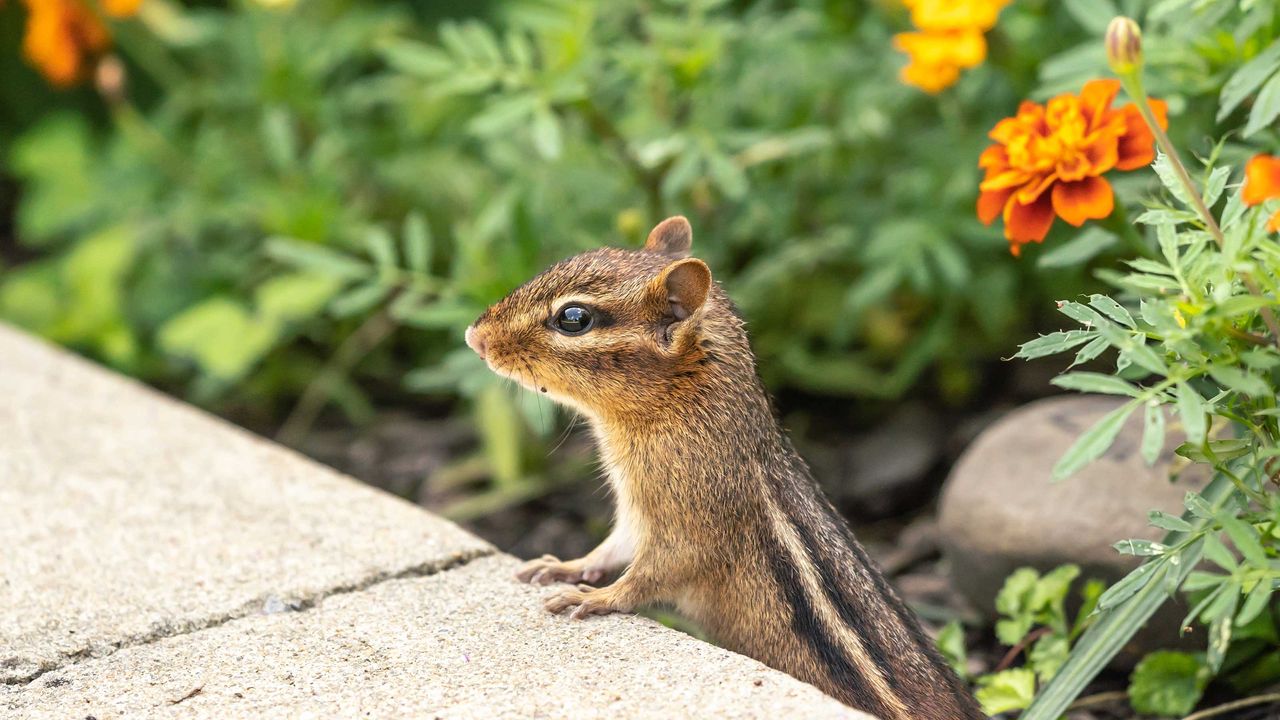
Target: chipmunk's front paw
[585,600]
[549,568]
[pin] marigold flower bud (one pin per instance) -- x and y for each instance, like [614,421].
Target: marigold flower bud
[109,78]
[1124,45]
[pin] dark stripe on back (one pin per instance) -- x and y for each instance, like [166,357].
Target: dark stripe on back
[860,619]
[964,700]
[844,674]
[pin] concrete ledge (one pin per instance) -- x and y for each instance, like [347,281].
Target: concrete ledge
[468,643]
[159,562]
[126,516]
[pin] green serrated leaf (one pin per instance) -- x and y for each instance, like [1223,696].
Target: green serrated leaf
[1094,442]
[1266,107]
[1245,538]
[1095,382]
[1248,78]
[1111,309]
[1165,521]
[1153,429]
[1192,412]
[1141,548]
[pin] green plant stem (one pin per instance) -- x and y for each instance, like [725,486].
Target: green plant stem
[358,344]
[1102,698]
[1234,705]
[1133,85]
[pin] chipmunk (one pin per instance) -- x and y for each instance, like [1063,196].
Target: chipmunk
[716,513]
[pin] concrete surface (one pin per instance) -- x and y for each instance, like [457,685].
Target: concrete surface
[126,516]
[158,562]
[467,643]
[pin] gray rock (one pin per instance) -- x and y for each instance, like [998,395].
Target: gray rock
[1001,510]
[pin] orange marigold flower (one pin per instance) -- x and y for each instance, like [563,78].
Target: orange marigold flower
[60,35]
[1048,160]
[934,15]
[1262,183]
[950,40]
[938,57]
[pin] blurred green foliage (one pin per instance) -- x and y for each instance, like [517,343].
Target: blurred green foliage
[298,207]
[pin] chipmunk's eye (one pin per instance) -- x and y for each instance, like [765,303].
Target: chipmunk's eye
[573,320]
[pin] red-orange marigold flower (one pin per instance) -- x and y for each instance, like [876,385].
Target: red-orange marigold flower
[62,33]
[1049,159]
[1262,183]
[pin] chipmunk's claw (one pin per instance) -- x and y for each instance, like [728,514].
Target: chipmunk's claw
[549,568]
[584,599]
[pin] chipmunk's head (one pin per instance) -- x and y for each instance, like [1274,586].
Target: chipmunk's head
[606,329]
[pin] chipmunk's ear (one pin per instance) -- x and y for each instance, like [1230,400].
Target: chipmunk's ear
[684,285]
[672,237]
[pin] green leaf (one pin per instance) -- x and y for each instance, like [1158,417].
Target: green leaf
[279,138]
[1093,15]
[547,136]
[951,645]
[1153,424]
[1114,626]
[1052,344]
[1094,442]
[1169,178]
[359,300]
[1215,450]
[1168,683]
[1245,538]
[1191,410]
[1095,382]
[220,335]
[1248,78]
[499,426]
[1165,521]
[1265,108]
[1078,250]
[1240,381]
[417,59]
[1141,548]
[1197,505]
[1214,186]
[1093,349]
[1111,309]
[382,249]
[416,240]
[1219,554]
[727,176]
[310,256]
[1048,655]
[295,296]
[1006,690]
[1255,602]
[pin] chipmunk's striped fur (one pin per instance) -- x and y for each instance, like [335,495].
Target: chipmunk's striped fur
[717,514]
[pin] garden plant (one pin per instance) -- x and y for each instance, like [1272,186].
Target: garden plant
[288,211]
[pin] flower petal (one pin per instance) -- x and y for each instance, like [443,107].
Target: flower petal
[1028,223]
[1087,199]
[1273,225]
[1137,146]
[1261,178]
[1096,97]
[991,203]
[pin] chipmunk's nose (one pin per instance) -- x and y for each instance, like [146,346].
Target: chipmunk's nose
[475,341]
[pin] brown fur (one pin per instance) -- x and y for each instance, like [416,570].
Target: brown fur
[717,514]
